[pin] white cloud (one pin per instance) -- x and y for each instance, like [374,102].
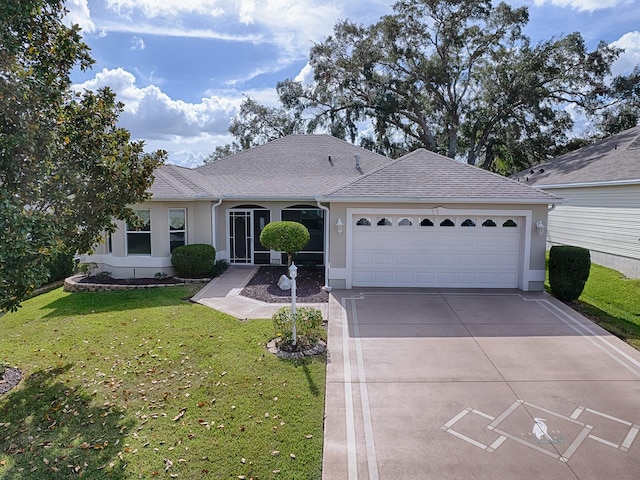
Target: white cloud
[142,28]
[306,75]
[153,116]
[582,5]
[79,14]
[631,57]
[160,8]
[137,44]
[291,25]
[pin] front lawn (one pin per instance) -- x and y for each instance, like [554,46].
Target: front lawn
[142,384]
[613,302]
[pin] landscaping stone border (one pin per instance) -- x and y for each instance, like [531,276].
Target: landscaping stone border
[72,284]
[318,349]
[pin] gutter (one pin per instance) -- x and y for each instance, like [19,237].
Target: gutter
[611,183]
[442,200]
[327,224]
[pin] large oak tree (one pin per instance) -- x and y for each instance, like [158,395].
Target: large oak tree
[66,168]
[454,76]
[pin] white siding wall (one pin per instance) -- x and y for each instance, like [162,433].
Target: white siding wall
[606,220]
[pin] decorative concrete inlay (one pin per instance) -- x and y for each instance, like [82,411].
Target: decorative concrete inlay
[567,433]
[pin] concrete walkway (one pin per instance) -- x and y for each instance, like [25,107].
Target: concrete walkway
[223,294]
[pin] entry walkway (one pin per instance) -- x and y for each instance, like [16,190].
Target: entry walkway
[223,294]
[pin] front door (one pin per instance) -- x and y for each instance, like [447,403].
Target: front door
[245,226]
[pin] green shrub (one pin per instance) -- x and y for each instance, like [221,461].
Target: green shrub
[308,326]
[87,268]
[60,267]
[568,271]
[285,236]
[104,275]
[194,261]
[219,267]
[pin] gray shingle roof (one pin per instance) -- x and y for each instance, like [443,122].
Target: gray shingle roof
[292,166]
[616,158]
[305,167]
[425,175]
[173,182]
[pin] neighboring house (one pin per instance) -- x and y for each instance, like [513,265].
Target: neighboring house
[422,220]
[600,187]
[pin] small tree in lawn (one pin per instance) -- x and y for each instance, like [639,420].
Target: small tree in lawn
[288,237]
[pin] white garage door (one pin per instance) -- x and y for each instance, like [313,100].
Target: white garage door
[436,251]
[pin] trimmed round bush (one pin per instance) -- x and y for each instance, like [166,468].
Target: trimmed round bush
[568,271]
[194,261]
[285,236]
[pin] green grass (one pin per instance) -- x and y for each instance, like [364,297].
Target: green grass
[612,301]
[142,384]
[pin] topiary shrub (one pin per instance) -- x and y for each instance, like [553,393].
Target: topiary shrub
[568,271]
[285,236]
[194,261]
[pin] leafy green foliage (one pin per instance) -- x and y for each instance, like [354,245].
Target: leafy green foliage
[308,326]
[568,271]
[66,169]
[285,236]
[61,266]
[87,268]
[117,382]
[622,113]
[256,124]
[194,261]
[219,267]
[458,78]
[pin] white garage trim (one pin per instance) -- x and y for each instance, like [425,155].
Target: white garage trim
[524,273]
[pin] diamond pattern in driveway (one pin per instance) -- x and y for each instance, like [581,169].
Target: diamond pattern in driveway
[469,384]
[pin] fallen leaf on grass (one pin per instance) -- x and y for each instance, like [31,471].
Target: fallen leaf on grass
[180,414]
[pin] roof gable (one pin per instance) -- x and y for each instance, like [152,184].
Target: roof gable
[613,159]
[425,175]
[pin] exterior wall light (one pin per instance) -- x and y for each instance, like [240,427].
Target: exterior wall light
[540,227]
[339,225]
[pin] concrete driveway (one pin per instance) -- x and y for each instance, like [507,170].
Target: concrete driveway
[476,384]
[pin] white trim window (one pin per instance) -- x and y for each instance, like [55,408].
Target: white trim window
[139,235]
[177,227]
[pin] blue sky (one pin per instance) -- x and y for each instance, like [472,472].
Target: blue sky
[182,67]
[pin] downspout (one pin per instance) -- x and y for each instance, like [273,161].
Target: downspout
[551,208]
[327,223]
[213,223]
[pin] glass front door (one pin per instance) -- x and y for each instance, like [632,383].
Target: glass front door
[245,227]
[240,236]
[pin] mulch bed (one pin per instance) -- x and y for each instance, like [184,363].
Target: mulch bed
[10,379]
[264,286]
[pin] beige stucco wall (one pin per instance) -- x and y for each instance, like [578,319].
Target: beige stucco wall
[122,265]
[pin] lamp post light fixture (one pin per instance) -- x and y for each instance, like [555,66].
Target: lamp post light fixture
[339,225]
[540,227]
[293,273]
